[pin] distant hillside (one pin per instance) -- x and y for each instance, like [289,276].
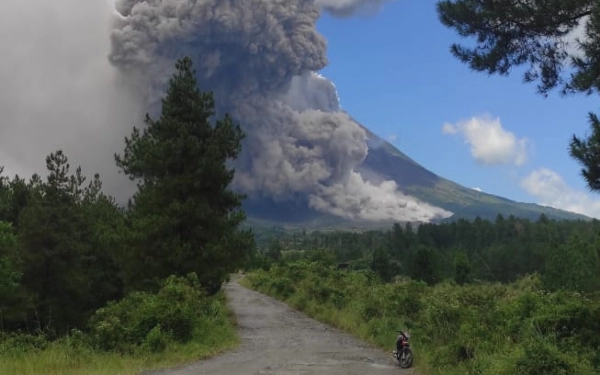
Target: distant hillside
[385,161]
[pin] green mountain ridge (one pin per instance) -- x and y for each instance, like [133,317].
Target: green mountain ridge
[386,162]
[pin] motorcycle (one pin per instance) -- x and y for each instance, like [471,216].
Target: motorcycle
[403,353]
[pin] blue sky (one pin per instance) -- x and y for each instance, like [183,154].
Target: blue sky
[394,73]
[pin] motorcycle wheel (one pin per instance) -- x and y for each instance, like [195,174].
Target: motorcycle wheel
[405,358]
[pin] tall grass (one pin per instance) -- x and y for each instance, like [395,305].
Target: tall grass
[60,358]
[130,336]
[485,329]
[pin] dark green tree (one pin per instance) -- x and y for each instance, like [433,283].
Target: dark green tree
[587,153]
[509,34]
[572,266]
[533,34]
[274,250]
[321,255]
[462,268]
[104,232]
[53,247]
[184,216]
[424,265]
[382,265]
[5,196]
[10,275]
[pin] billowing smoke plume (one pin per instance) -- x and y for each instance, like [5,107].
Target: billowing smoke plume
[260,57]
[59,91]
[347,8]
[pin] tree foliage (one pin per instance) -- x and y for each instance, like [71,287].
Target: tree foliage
[67,249]
[483,328]
[532,33]
[184,216]
[10,271]
[558,41]
[65,270]
[462,268]
[565,253]
[587,152]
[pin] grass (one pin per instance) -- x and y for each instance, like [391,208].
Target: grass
[60,359]
[66,357]
[483,329]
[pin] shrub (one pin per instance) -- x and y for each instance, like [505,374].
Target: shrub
[484,328]
[156,340]
[178,309]
[21,342]
[541,359]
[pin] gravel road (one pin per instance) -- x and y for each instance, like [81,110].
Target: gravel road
[277,340]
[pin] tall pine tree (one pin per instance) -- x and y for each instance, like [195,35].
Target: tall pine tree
[54,249]
[184,216]
[537,34]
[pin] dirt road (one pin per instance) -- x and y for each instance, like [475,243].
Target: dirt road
[277,340]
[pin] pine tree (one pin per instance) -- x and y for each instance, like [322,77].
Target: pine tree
[424,265]
[514,33]
[53,247]
[462,268]
[10,274]
[381,264]
[586,151]
[533,33]
[184,216]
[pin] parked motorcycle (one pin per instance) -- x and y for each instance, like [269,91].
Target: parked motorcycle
[403,353]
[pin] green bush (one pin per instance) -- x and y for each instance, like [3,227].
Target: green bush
[175,313]
[17,342]
[156,340]
[483,328]
[540,358]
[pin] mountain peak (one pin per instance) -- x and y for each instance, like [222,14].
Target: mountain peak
[384,162]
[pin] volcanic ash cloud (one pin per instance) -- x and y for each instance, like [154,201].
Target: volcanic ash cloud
[260,58]
[347,8]
[59,90]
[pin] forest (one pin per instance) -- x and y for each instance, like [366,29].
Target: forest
[91,286]
[566,254]
[88,285]
[505,297]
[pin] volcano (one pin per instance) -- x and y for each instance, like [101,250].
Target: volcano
[304,160]
[385,162]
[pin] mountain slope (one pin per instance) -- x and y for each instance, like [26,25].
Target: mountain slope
[388,162]
[385,162]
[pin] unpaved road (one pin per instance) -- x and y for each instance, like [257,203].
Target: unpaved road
[277,340]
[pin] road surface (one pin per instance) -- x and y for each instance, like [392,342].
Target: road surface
[277,340]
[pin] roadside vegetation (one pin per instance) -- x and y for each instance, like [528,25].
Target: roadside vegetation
[503,297]
[90,287]
[122,342]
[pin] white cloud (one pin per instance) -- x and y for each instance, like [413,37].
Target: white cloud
[477,189]
[490,143]
[392,138]
[551,190]
[449,129]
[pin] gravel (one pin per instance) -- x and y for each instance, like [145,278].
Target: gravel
[277,340]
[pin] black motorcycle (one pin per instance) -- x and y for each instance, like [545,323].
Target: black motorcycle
[403,352]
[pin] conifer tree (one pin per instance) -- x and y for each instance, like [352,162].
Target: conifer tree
[184,216]
[537,34]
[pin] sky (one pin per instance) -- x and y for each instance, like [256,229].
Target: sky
[395,74]
[392,69]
